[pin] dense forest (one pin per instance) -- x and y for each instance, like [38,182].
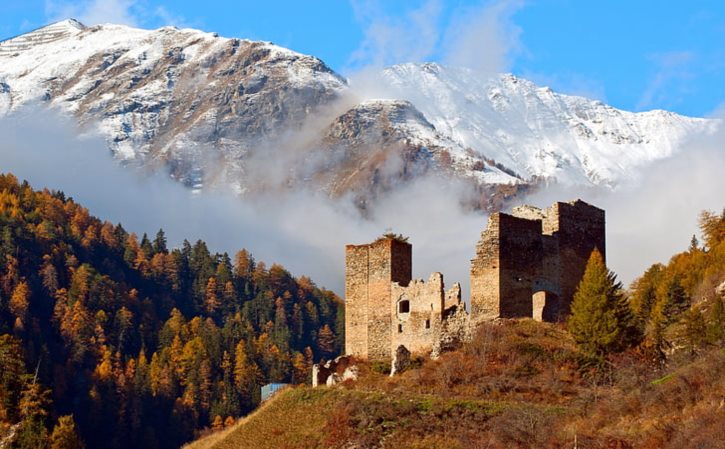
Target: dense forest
[110,341]
[679,305]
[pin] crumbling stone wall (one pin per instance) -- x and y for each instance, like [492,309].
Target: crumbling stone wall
[456,329]
[417,311]
[453,297]
[356,302]
[507,265]
[579,228]
[485,274]
[520,265]
[534,256]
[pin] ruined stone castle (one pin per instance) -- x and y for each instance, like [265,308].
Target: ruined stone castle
[528,264]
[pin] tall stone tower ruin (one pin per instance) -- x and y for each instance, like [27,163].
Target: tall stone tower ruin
[370,271]
[530,262]
[507,265]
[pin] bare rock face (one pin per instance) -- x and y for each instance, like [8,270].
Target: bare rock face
[370,149]
[380,144]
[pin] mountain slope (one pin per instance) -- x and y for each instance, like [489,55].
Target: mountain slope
[255,116]
[517,384]
[183,97]
[379,143]
[142,344]
[537,132]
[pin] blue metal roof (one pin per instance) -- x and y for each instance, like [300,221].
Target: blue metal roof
[269,389]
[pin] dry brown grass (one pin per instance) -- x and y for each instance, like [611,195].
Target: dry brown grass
[210,440]
[518,384]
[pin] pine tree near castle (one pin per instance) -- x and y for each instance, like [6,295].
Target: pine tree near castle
[600,321]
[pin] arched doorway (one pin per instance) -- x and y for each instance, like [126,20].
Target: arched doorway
[545,305]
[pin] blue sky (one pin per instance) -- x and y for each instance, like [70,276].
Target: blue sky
[635,55]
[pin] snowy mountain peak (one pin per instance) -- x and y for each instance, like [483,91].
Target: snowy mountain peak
[44,35]
[189,100]
[535,131]
[71,22]
[165,93]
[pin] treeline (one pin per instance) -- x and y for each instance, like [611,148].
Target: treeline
[670,307]
[123,342]
[681,303]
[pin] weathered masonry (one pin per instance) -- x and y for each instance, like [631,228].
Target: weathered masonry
[370,271]
[528,264]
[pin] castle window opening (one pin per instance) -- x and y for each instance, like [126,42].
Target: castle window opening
[400,328]
[427,324]
[404,306]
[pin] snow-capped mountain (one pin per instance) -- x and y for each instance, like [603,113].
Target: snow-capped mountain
[391,137]
[183,97]
[212,109]
[537,132]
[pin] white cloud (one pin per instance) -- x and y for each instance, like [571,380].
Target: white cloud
[167,17]
[304,231]
[390,40]
[484,38]
[718,112]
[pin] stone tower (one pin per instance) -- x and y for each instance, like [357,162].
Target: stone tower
[578,228]
[506,266]
[370,271]
[529,263]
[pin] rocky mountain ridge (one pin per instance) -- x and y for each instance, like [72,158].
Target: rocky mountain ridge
[210,109]
[537,132]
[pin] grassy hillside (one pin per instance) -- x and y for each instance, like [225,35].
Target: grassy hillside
[517,384]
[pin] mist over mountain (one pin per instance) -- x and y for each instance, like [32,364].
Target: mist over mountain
[256,117]
[417,147]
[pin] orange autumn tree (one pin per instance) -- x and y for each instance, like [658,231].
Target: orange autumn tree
[137,338]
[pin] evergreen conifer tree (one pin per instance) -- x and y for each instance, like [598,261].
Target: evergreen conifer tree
[160,242]
[600,319]
[716,325]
